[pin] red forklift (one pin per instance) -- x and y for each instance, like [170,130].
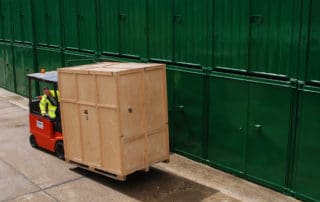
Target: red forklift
[46,133]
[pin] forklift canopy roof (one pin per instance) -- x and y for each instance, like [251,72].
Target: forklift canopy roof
[51,77]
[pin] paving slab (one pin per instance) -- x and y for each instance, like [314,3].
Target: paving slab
[40,196]
[13,183]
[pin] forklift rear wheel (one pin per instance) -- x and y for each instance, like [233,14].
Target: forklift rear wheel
[33,141]
[59,150]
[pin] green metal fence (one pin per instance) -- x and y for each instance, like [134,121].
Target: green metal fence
[243,76]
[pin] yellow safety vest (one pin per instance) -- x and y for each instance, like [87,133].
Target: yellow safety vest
[51,108]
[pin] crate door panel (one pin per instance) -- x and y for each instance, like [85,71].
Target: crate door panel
[228,122]
[109,17]
[231,34]
[188,126]
[70,11]
[274,29]
[131,108]
[268,132]
[87,25]
[160,25]
[53,22]
[133,28]
[191,31]
[313,65]
[306,178]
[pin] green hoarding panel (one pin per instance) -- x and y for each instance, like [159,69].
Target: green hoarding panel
[274,36]
[171,108]
[6,67]
[227,122]
[1,23]
[16,21]
[109,19]
[23,64]
[313,63]
[50,60]
[2,66]
[40,24]
[22,21]
[6,19]
[53,22]
[231,34]
[160,25]
[26,21]
[306,177]
[87,25]
[133,29]
[47,22]
[269,119]
[74,59]
[71,24]
[191,31]
[188,125]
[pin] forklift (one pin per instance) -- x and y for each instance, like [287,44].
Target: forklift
[46,133]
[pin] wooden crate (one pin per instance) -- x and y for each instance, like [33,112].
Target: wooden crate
[115,116]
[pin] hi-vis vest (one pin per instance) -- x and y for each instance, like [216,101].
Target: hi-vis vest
[51,108]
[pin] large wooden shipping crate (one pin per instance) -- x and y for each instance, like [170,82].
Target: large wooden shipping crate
[114,116]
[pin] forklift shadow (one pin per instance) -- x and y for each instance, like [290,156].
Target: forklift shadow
[155,185]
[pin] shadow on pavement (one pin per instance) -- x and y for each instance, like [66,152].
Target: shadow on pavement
[155,185]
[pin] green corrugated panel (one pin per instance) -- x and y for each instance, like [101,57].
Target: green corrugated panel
[133,30]
[80,25]
[160,25]
[274,36]
[191,31]
[258,36]
[313,63]
[249,128]
[23,64]
[1,23]
[306,176]
[87,25]
[109,18]
[231,34]
[48,59]
[188,125]
[47,22]
[53,22]
[6,19]
[269,119]
[6,67]
[76,58]
[40,24]
[16,21]
[228,122]
[22,21]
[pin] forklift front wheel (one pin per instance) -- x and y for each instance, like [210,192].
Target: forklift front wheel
[59,150]
[33,141]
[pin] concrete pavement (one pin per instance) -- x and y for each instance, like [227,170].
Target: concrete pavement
[28,174]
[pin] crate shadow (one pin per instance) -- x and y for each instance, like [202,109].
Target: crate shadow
[155,185]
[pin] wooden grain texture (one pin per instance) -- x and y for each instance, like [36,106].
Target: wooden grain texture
[114,116]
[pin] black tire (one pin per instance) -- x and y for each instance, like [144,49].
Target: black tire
[59,149]
[33,142]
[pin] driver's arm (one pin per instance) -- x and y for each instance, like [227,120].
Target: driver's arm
[43,105]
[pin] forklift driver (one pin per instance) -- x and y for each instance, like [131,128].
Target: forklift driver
[49,103]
